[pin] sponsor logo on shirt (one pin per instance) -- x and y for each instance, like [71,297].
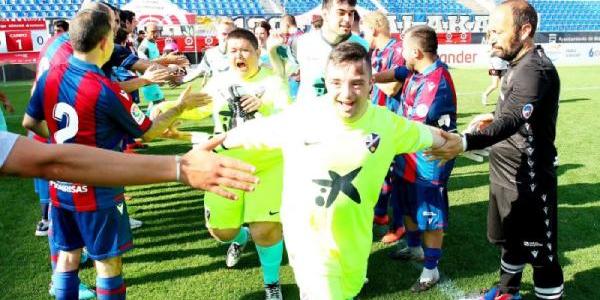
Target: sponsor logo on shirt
[137,114]
[67,187]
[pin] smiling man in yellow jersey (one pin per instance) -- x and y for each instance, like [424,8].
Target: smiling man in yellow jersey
[246,91]
[334,166]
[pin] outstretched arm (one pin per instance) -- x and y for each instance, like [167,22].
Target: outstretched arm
[200,169]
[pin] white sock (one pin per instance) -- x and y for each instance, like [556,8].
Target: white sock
[429,275]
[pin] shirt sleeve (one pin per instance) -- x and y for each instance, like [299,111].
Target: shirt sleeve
[7,142]
[401,73]
[528,88]
[129,61]
[35,108]
[411,136]
[121,109]
[442,113]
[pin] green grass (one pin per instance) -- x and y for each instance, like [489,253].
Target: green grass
[175,258]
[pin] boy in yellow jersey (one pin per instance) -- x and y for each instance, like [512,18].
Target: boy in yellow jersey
[334,163]
[246,91]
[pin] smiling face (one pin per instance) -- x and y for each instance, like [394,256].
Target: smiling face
[349,84]
[339,17]
[243,57]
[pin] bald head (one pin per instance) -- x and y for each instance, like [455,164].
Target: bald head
[522,13]
[152,31]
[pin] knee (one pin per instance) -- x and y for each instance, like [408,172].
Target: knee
[223,235]
[266,233]
[110,267]
[68,260]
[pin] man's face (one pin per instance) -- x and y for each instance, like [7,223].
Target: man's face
[349,85]
[243,58]
[410,51]
[116,22]
[58,30]
[339,17]
[223,31]
[130,26]
[152,32]
[504,39]
[261,34]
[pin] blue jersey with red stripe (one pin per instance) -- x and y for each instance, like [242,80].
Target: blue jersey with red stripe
[430,98]
[388,58]
[82,106]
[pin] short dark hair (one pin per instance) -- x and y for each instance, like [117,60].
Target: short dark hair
[88,28]
[126,15]
[327,3]
[290,19]
[425,37]
[62,24]
[350,52]
[265,25]
[244,34]
[523,13]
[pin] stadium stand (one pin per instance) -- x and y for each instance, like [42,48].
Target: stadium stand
[555,15]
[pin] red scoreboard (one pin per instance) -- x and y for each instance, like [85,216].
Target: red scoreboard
[21,40]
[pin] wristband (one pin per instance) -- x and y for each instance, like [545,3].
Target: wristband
[178,167]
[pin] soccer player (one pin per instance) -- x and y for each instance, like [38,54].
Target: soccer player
[249,89]
[334,164]
[313,48]
[522,212]
[262,31]
[61,26]
[80,105]
[498,68]
[386,55]
[215,59]
[429,97]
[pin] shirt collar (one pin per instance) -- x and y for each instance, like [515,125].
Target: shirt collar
[437,63]
[83,65]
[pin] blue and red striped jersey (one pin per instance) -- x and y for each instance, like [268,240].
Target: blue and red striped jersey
[428,97]
[388,58]
[82,106]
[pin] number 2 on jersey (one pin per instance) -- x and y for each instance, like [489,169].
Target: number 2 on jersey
[61,111]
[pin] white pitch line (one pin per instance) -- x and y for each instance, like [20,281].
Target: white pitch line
[586,88]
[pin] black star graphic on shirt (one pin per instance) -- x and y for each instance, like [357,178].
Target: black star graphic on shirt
[338,183]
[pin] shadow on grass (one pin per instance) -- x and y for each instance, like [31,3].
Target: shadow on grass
[289,291]
[169,275]
[583,284]
[574,100]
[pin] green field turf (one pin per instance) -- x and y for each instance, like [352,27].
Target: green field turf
[175,258]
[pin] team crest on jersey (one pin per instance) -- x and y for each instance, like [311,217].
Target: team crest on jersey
[527,111]
[137,114]
[430,86]
[422,110]
[372,142]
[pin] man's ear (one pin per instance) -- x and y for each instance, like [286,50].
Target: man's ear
[525,31]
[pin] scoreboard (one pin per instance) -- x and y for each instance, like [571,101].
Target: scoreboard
[21,40]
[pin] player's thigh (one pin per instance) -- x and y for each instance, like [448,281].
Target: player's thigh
[263,204]
[65,231]
[106,232]
[432,207]
[222,213]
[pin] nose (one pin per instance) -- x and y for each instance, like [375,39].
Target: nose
[346,91]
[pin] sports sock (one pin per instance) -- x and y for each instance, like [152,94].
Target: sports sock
[110,288]
[432,257]
[44,209]
[270,261]
[66,285]
[242,237]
